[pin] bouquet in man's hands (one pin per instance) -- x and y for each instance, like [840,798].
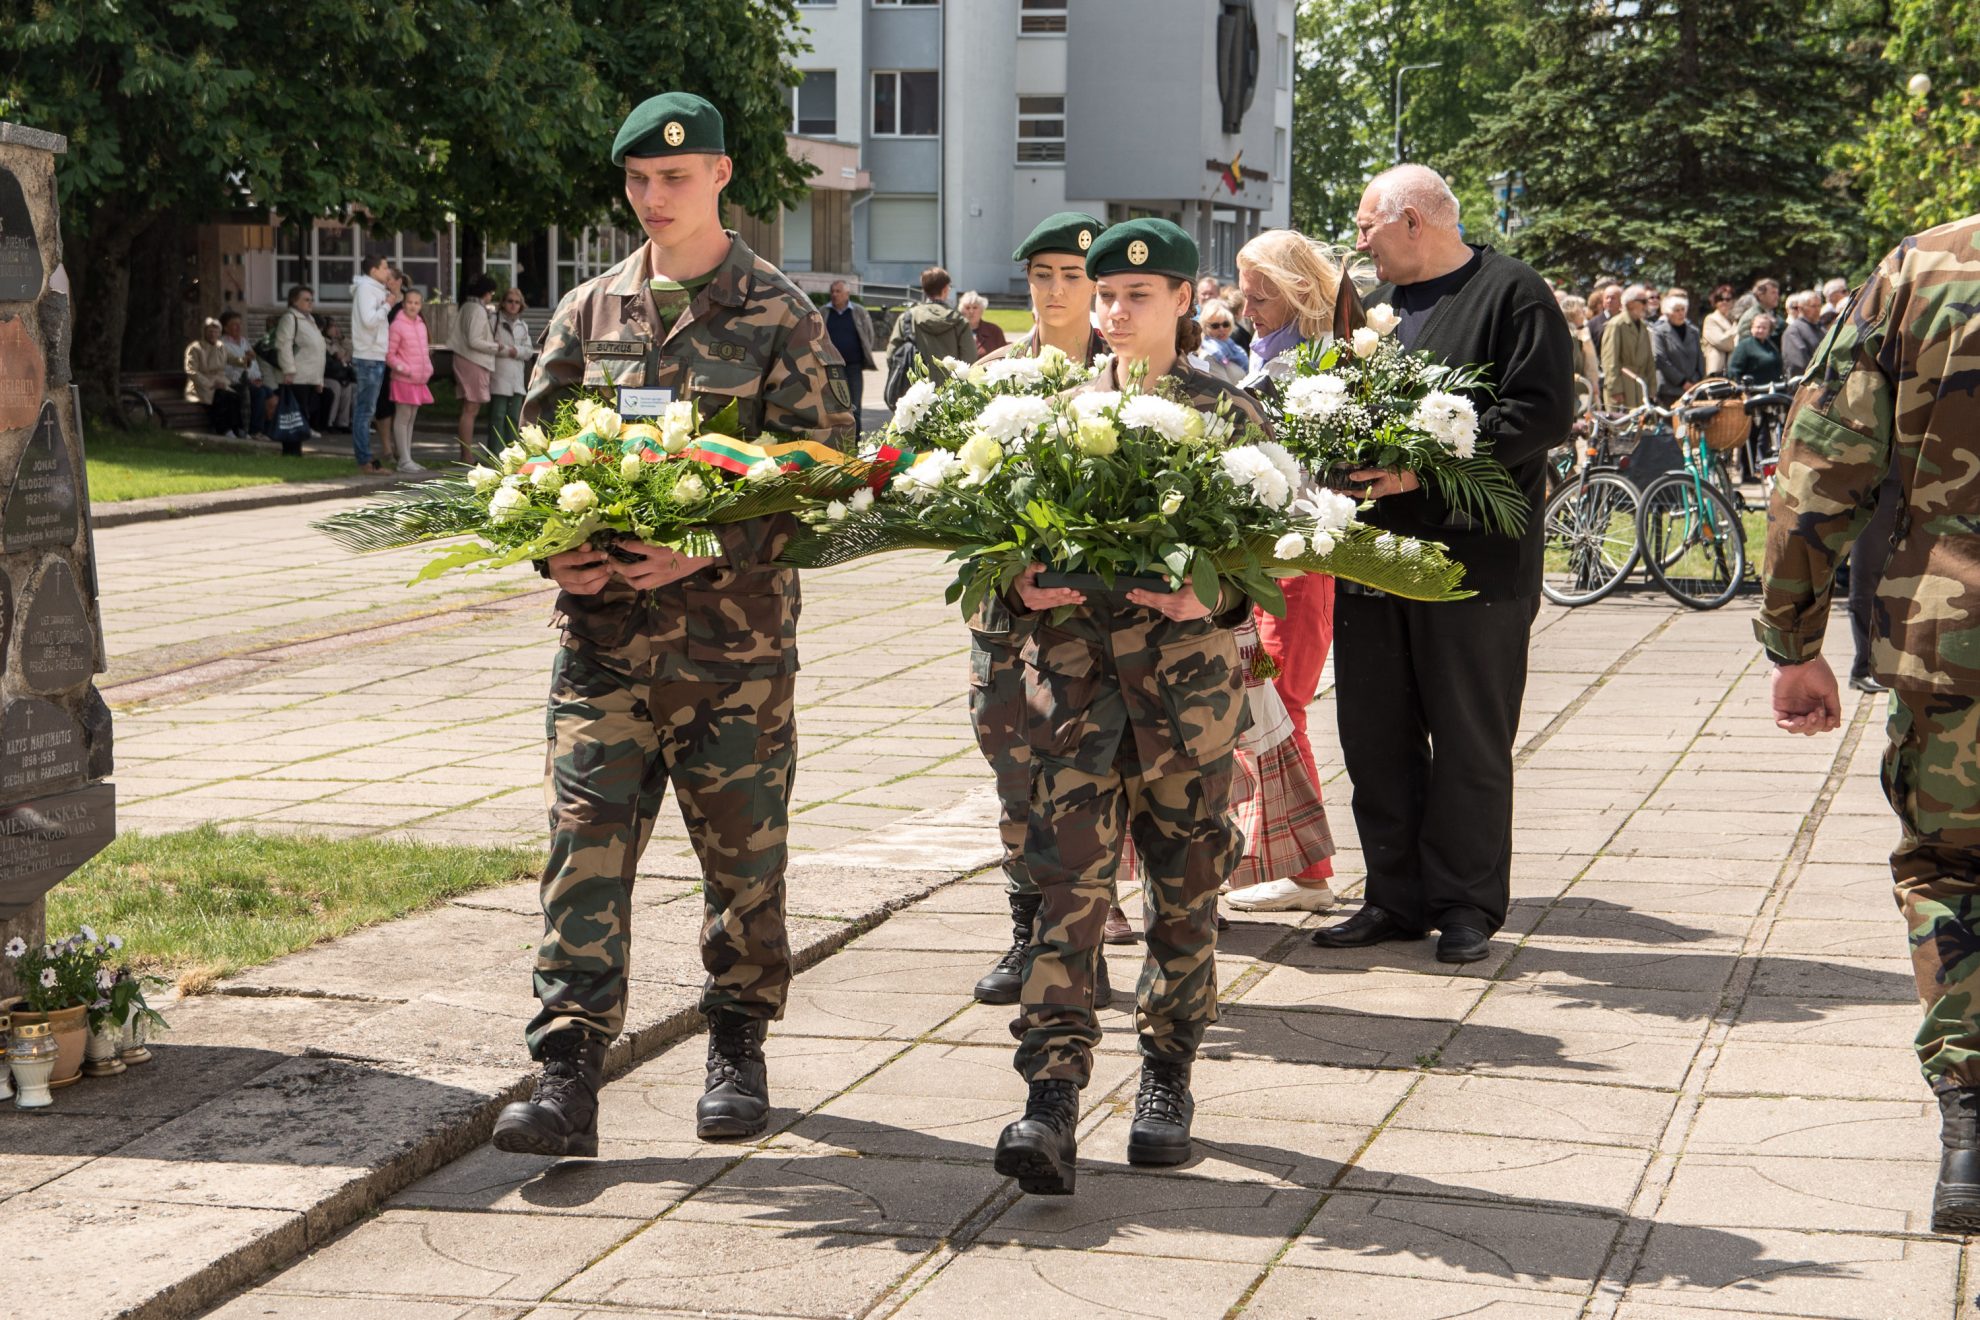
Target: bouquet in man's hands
[1367,402]
[940,409]
[1128,489]
[593,477]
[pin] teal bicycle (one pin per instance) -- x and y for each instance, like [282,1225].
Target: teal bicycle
[1688,529]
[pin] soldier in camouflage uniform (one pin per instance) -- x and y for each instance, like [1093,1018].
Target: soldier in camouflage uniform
[1893,391]
[1062,307]
[673,669]
[1135,705]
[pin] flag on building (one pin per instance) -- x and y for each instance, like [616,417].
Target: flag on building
[1234,173]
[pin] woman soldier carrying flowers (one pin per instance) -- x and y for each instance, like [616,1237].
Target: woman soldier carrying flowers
[1135,704]
[1054,258]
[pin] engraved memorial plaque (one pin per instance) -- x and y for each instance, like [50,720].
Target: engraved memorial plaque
[42,842]
[6,617]
[40,746]
[42,505]
[20,258]
[56,642]
[23,375]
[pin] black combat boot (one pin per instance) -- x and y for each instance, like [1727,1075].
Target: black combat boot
[1162,1111]
[1000,985]
[1956,1203]
[561,1118]
[737,1101]
[1039,1149]
[1103,991]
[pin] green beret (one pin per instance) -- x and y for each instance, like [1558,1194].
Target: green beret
[1068,231]
[671,124]
[1143,247]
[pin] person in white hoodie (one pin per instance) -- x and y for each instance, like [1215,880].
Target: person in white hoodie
[371,306]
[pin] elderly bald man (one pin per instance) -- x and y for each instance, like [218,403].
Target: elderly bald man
[1428,695]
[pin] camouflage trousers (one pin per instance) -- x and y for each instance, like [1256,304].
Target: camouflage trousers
[1932,778]
[617,737]
[1187,841]
[997,714]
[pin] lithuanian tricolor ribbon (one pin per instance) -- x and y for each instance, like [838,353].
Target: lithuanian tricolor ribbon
[739,456]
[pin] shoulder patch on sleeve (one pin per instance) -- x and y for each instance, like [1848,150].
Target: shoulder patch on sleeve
[836,387]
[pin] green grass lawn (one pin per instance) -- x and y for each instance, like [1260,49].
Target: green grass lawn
[1014,320]
[200,904]
[137,464]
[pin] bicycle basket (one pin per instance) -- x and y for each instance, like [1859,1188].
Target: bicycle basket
[1725,429]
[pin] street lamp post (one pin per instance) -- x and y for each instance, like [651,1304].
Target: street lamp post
[1407,68]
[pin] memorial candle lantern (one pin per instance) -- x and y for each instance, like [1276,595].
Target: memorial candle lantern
[31,1056]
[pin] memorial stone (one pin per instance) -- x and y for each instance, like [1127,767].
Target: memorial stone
[56,811]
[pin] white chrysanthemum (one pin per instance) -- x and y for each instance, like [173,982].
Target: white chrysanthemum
[763,469]
[690,489]
[1250,468]
[1382,319]
[629,467]
[1083,406]
[862,499]
[981,454]
[1165,417]
[1330,510]
[1451,419]
[1218,428]
[1322,543]
[913,405]
[1365,342]
[1014,370]
[1278,456]
[955,366]
[483,479]
[1318,397]
[1290,546]
[1011,418]
[508,502]
[929,473]
[547,477]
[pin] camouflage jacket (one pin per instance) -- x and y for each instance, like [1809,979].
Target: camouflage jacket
[748,335]
[1892,389]
[993,622]
[1116,684]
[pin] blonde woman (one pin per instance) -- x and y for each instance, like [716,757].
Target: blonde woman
[1587,363]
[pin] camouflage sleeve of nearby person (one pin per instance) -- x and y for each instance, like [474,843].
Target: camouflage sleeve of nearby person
[805,397]
[560,361]
[1836,450]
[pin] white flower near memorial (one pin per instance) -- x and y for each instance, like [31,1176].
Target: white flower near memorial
[1451,418]
[533,438]
[105,978]
[1290,546]
[1096,437]
[16,948]
[1165,417]
[1322,543]
[929,474]
[48,978]
[580,452]
[1318,397]
[763,469]
[547,478]
[89,936]
[677,426]
[513,457]
[483,479]
[1098,403]
[862,500]
[606,424]
[629,467]
[955,366]
[576,497]
[1253,470]
[507,503]
[1218,428]
[1364,342]
[835,511]
[583,409]
[115,942]
[1330,510]
[690,489]
[1009,418]
[913,405]
[1172,503]
[981,454]
[1382,319]
[1018,370]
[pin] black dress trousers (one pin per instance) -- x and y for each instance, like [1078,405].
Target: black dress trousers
[1428,699]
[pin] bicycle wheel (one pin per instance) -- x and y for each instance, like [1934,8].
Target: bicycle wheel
[1692,540]
[1590,531]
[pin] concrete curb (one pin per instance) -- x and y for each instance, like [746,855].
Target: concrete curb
[303,1148]
[164,507]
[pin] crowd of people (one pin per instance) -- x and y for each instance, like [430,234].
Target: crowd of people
[304,376]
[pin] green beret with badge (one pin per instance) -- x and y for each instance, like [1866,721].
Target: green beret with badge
[1066,231]
[1143,247]
[671,124]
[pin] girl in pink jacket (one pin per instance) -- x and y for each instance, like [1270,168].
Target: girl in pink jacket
[411,366]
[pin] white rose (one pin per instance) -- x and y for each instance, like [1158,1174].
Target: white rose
[576,497]
[629,467]
[677,426]
[690,489]
[546,477]
[835,511]
[981,454]
[1290,546]
[583,409]
[1323,543]
[862,499]
[580,452]
[513,457]
[1382,319]
[1052,359]
[508,502]
[1365,342]
[533,438]
[763,469]
[1171,503]
[605,424]
[513,481]
[483,479]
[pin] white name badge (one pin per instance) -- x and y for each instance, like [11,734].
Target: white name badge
[643,403]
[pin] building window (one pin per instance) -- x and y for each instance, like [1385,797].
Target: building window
[322,256]
[584,253]
[1043,16]
[901,229]
[1285,63]
[1281,158]
[903,4]
[1041,129]
[907,103]
[815,104]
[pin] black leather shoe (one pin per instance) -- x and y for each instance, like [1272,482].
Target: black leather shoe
[1956,1202]
[1371,925]
[1462,944]
[561,1117]
[1163,1109]
[737,1100]
[1867,683]
[1103,989]
[1002,983]
[1039,1149]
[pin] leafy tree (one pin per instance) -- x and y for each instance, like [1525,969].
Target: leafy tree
[1916,159]
[1683,138]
